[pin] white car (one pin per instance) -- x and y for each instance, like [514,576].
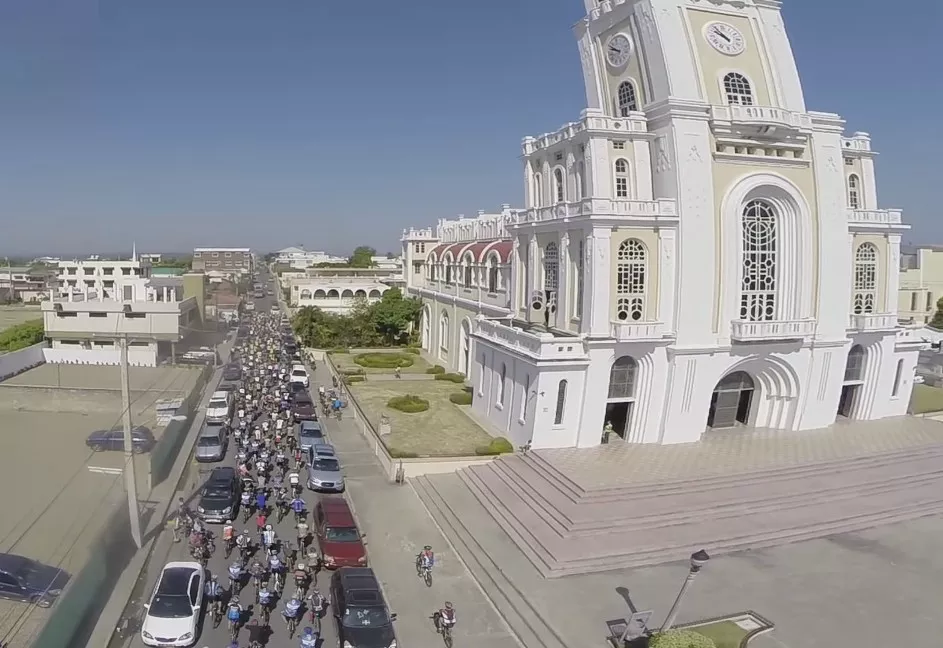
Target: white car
[218,410]
[172,615]
[299,375]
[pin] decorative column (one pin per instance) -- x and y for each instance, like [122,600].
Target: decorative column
[563,282]
[597,284]
[892,274]
[532,275]
[514,282]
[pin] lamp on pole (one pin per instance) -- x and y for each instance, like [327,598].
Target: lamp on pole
[698,560]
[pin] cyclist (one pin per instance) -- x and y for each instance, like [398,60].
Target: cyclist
[229,537]
[317,604]
[258,573]
[269,538]
[447,615]
[260,501]
[236,571]
[234,612]
[244,543]
[302,528]
[309,638]
[266,599]
[292,610]
[213,592]
[426,558]
[260,521]
[298,506]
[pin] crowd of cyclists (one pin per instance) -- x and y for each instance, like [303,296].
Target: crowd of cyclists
[270,462]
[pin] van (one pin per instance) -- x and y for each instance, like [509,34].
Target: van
[339,540]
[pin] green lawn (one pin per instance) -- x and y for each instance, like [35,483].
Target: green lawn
[443,430]
[346,361]
[926,399]
[726,634]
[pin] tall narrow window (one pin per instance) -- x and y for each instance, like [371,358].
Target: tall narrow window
[559,187]
[631,276]
[627,100]
[444,334]
[481,375]
[492,273]
[503,378]
[758,275]
[866,264]
[897,373]
[551,266]
[737,89]
[853,200]
[538,190]
[523,415]
[581,180]
[468,267]
[447,263]
[561,403]
[579,281]
[622,178]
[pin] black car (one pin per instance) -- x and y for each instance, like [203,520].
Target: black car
[232,372]
[24,579]
[142,440]
[296,389]
[219,499]
[361,615]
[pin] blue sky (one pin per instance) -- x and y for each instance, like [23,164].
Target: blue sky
[330,123]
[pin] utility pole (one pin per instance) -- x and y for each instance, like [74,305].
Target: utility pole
[130,483]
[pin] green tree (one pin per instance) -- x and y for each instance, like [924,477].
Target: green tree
[394,316]
[362,257]
[937,321]
[22,335]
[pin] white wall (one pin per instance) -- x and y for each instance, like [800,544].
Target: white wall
[17,361]
[75,355]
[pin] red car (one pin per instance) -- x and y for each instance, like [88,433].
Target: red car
[339,539]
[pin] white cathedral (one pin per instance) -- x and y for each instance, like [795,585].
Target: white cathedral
[698,252]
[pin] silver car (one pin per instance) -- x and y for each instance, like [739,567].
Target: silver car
[212,443]
[324,470]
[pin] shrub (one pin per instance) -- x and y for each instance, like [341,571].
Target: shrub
[413,350]
[339,350]
[680,638]
[461,398]
[402,454]
[384,360]
[410,403]
[498,445]
[438,369]
[352,371]
[454,377]
[22,335]
[349,380]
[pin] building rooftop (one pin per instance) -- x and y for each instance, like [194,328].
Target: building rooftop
[221,249]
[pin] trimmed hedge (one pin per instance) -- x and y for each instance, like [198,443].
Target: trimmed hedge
[454,377]
[402,454]
[410,403]
[338,350]
[349,380]
[352,371]
[680,638]
[413,350]
[498,445]
[384,360]
[461,398]
[438,369]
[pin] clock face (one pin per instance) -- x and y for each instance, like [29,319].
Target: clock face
[618,50]
[725,38]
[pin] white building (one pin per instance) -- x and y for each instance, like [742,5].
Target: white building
[337,290]
[300,258]
[100,301]
[699,250]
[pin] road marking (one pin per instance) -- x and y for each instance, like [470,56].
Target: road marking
[105,471]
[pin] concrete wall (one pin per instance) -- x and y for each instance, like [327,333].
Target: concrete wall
[17,362]
[137,358]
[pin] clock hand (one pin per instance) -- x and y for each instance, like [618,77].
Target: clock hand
[722,35]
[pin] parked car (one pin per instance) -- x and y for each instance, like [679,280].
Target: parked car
[360,613]
[219,409]
[299,374]
[219,499]
[142,440]
[310,434]
[295,389]
[173,611]
[212,443]
[24,579]
[232,372]
[303,407]
[324,469]
[339,540]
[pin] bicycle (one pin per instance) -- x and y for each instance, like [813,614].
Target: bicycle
[292,625]
[216,610]
[233,630]
[423,571]
[443,629]
[264,614]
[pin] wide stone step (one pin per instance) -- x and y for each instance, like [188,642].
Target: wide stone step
[562,484]
[525,622]
[638,545]
[786,490]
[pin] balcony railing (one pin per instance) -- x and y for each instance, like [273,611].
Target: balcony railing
[873,322]
[540,346]
[744,331]
[626,209]
[638,331]
[874,216]
[592,121]
[760,120]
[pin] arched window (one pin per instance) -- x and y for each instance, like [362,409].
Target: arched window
[900,369]
[447,262]
[375,294]
[622,378]
[347,294]
[493,273]
[503,379]
[433,267]
[559,186]
[622,178]
[360,294]
[626,96]
[319,294]
[333,294]
[469,270]
[737,89]
[631,277]
[551,266]
[854,368]
[561,403]
[853,200]
[305,294]
[758,274]
[538,190]
[580,180]
[444,336]
[866,267]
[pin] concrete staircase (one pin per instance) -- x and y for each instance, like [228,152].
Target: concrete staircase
[456,510]
[564,529]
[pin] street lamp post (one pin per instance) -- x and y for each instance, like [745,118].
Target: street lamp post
[698,560]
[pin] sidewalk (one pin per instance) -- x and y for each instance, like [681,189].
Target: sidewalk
[397,526]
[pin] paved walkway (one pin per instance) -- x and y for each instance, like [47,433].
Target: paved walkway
[738,451]
[397,526]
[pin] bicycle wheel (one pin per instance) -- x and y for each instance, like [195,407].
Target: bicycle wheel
[292,623]
[233,631]
[447,636]
[428,577]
